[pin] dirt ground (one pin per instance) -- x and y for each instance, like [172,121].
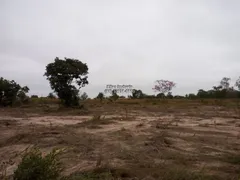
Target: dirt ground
[142,141]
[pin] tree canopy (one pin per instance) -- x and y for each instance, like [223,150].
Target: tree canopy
[66,77]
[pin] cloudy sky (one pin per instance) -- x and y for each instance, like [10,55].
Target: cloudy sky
[191,42]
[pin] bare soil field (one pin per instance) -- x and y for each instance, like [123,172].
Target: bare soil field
[172,141]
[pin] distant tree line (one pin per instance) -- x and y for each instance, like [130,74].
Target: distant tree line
[223,90]
[164,87]
[67,76]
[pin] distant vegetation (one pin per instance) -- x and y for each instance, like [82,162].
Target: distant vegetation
[67,76]
[164,87]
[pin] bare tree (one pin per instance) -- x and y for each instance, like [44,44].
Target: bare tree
[84,96]
[164,86]
[225,83]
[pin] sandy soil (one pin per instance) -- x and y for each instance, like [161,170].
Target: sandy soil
[142,139]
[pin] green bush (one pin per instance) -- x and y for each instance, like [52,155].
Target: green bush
[10,91]
[34,166]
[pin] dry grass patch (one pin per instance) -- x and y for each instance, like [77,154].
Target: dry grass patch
[95,122]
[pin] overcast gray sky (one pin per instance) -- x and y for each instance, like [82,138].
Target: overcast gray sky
[191,42]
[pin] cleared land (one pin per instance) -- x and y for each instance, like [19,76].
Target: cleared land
[130,139]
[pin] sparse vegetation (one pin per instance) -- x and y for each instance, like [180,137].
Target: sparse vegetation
[162,137]
[155,142]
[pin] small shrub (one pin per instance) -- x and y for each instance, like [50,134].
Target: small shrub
[35,166]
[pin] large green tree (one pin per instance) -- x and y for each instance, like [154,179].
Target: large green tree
[66,77]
